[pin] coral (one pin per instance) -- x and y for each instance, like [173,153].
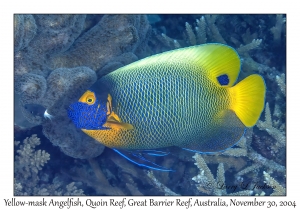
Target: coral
[214,31]
[267,125]
[236,152]
[207,184]
[190,34]
[201,30]
[72,190]
[22,64]
[278,189]
[191,37]
[253,167]
[133,190]
[111,37]
[281,83]
[31,87]
[25,29]
[205,179]
[49,190]
[230,161]
[254,44]
[277,29]
[159,185]
[28,172]
[56,33]
[248,37]
[172,43]
[28,162]
[272,165]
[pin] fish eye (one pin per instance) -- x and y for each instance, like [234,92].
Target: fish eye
[90,100]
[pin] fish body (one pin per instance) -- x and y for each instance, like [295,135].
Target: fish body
[185,97]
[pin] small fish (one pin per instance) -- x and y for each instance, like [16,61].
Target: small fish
[38,110]
[184,97]
[35,109]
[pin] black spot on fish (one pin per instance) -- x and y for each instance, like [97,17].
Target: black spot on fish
[223,79]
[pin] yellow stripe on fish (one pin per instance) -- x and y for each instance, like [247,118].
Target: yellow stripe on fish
[183,97]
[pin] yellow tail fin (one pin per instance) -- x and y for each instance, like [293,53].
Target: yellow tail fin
[248,99]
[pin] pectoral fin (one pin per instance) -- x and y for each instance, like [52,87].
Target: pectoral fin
[118,125]
[109,104]
[113,121]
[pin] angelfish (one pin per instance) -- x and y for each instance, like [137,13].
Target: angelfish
[184,97]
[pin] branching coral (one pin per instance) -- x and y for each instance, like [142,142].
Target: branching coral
[254,44]
[198,35]
[27,174]
[29,162]
[278,189]
[277,29]
[208,184]
[214,31]
[191,35]
[172,43]
[267,125]
[159,185]
[201,30]
[281,83]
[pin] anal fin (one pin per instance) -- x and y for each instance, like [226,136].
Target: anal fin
[226,131]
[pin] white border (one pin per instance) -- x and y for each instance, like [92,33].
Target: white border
[142,6]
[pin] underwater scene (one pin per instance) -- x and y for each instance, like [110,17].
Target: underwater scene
[151,104]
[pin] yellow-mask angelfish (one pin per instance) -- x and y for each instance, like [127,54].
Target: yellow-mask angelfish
[184,97]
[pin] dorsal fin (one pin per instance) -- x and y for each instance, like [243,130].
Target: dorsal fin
[215,60]
[221,63]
